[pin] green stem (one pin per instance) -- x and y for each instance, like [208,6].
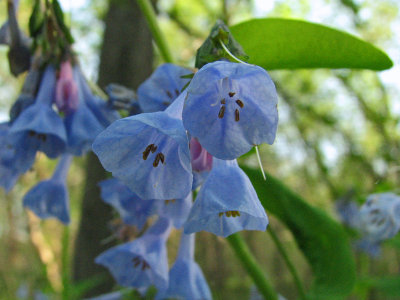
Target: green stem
[149,14]
[288,262]
[252,267]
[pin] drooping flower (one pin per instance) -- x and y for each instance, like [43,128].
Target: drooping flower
[162,87]
[41,125]
[49,198]
[226,203]
[186,280]
[149,152]
[81,123]
[230,108]
[142,262]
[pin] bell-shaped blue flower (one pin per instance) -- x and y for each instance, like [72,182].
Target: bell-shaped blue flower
[379,217]
[17,155]
[186,280]
[162,87]
[132,209]
[49,198]
[44,128]
[230,108]
[149,152]
[104,113]
[142,262]
[226,203]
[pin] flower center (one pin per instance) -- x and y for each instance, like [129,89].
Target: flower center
[238,102]
[138,261]
[159,156]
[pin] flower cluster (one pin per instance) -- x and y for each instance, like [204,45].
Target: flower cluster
[378,219]
[58,115]
[184,141]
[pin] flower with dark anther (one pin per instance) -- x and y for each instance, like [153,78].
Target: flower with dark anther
[186,280]
[149,152]
[81,123]
[226,203]
[162,87]
[231,107]
[49,198]
[40,123]
[135,211]
[120,97]
[142,262]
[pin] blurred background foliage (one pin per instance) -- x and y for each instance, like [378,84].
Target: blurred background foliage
[338,137]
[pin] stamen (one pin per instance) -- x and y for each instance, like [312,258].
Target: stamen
[31,133]
[162,157]
[220,214]
[145,266]
[240,103]
[166,103]
[147,151]
[223,101]
[156,160]
[237,117]
[169,94]
[231,94]
[221,112]
[153,148]
[169,201]
[259,163]
[177,92]
[228,213]
[42,137]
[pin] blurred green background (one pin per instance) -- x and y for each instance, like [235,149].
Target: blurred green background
[338,137]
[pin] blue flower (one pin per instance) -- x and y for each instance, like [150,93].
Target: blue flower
[176,210]
[41,124]
[142,262]
[226,203]
[104,113]
[132,209]
[186,280]
[201,163]
[49,198]
[162,88]
[379,217]
[149,152]
[16,155]
[230,108]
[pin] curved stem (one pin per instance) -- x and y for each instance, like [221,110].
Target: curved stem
[250,264]
[148,12]
[288,262]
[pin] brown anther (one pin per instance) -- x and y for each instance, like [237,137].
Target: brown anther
[136,259]
[166,103]
[147,151]
[231,94]
[169,201]
[145,266]
[156,161]
[223,101]
[162,157]
[228,213]
[237,117]
[31,133]
[221,112]
[220,214]
[240,103]
[169,94]
[42,137]
[153,148]
[136,264]
[177,92]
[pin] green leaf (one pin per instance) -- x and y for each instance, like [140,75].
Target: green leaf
[389,285]
[60,20]
[275,43]
[321,239]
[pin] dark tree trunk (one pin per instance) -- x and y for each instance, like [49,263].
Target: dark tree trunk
[126,58]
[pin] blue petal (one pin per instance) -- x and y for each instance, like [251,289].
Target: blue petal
[49,199]
[227,189]
[162,88]
[82,128]
[230,108]
[132,209]
[142,262]
[123,149]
